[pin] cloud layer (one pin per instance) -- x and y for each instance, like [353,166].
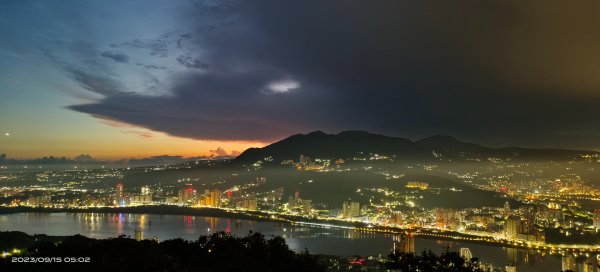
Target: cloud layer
[497,72]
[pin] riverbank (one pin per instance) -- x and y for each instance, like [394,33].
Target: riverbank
[299,220]
[164,210]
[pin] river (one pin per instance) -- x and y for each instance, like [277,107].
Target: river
[323,240]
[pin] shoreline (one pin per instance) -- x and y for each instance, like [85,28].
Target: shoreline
[158,209]
[298,220]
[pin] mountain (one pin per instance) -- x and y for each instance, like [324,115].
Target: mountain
[351,144]
[449,144]
[321,145]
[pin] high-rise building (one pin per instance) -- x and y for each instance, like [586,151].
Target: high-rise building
[307,206]
[446,219]
[528,224]
[513,227]
[351,209]
[465,252]
[144,198]
[186,195]
[596,219]
[141,199]
[214,198]
[119,194]
[249,204]
[396,219]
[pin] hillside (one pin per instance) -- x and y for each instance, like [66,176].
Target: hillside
[351,144]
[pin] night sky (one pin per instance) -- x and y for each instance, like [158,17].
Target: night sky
[134,78]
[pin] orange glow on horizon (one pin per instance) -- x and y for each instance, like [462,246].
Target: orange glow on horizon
[114,141]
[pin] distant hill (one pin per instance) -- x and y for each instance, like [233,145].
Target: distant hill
[87,160]
[351,144]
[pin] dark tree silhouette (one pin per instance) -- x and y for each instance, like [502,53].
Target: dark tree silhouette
[429,261]
[216,252]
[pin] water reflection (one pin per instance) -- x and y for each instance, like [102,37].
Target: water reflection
[325,240]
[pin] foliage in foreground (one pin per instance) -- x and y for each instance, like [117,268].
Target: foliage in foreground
[217,252]
[429,261]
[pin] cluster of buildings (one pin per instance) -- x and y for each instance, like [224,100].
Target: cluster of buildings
[523,224]
[190,196]
[395,208]
[526,223]
[210,198]
[297,205]
[350,209]
[306,163]
[144,197]
[237,199]
[39,200]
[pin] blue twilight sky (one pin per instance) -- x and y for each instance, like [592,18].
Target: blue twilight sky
[55,54]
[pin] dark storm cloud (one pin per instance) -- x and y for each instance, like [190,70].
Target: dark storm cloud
[500,72]
[205,107]
[191,62]
[115,56]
